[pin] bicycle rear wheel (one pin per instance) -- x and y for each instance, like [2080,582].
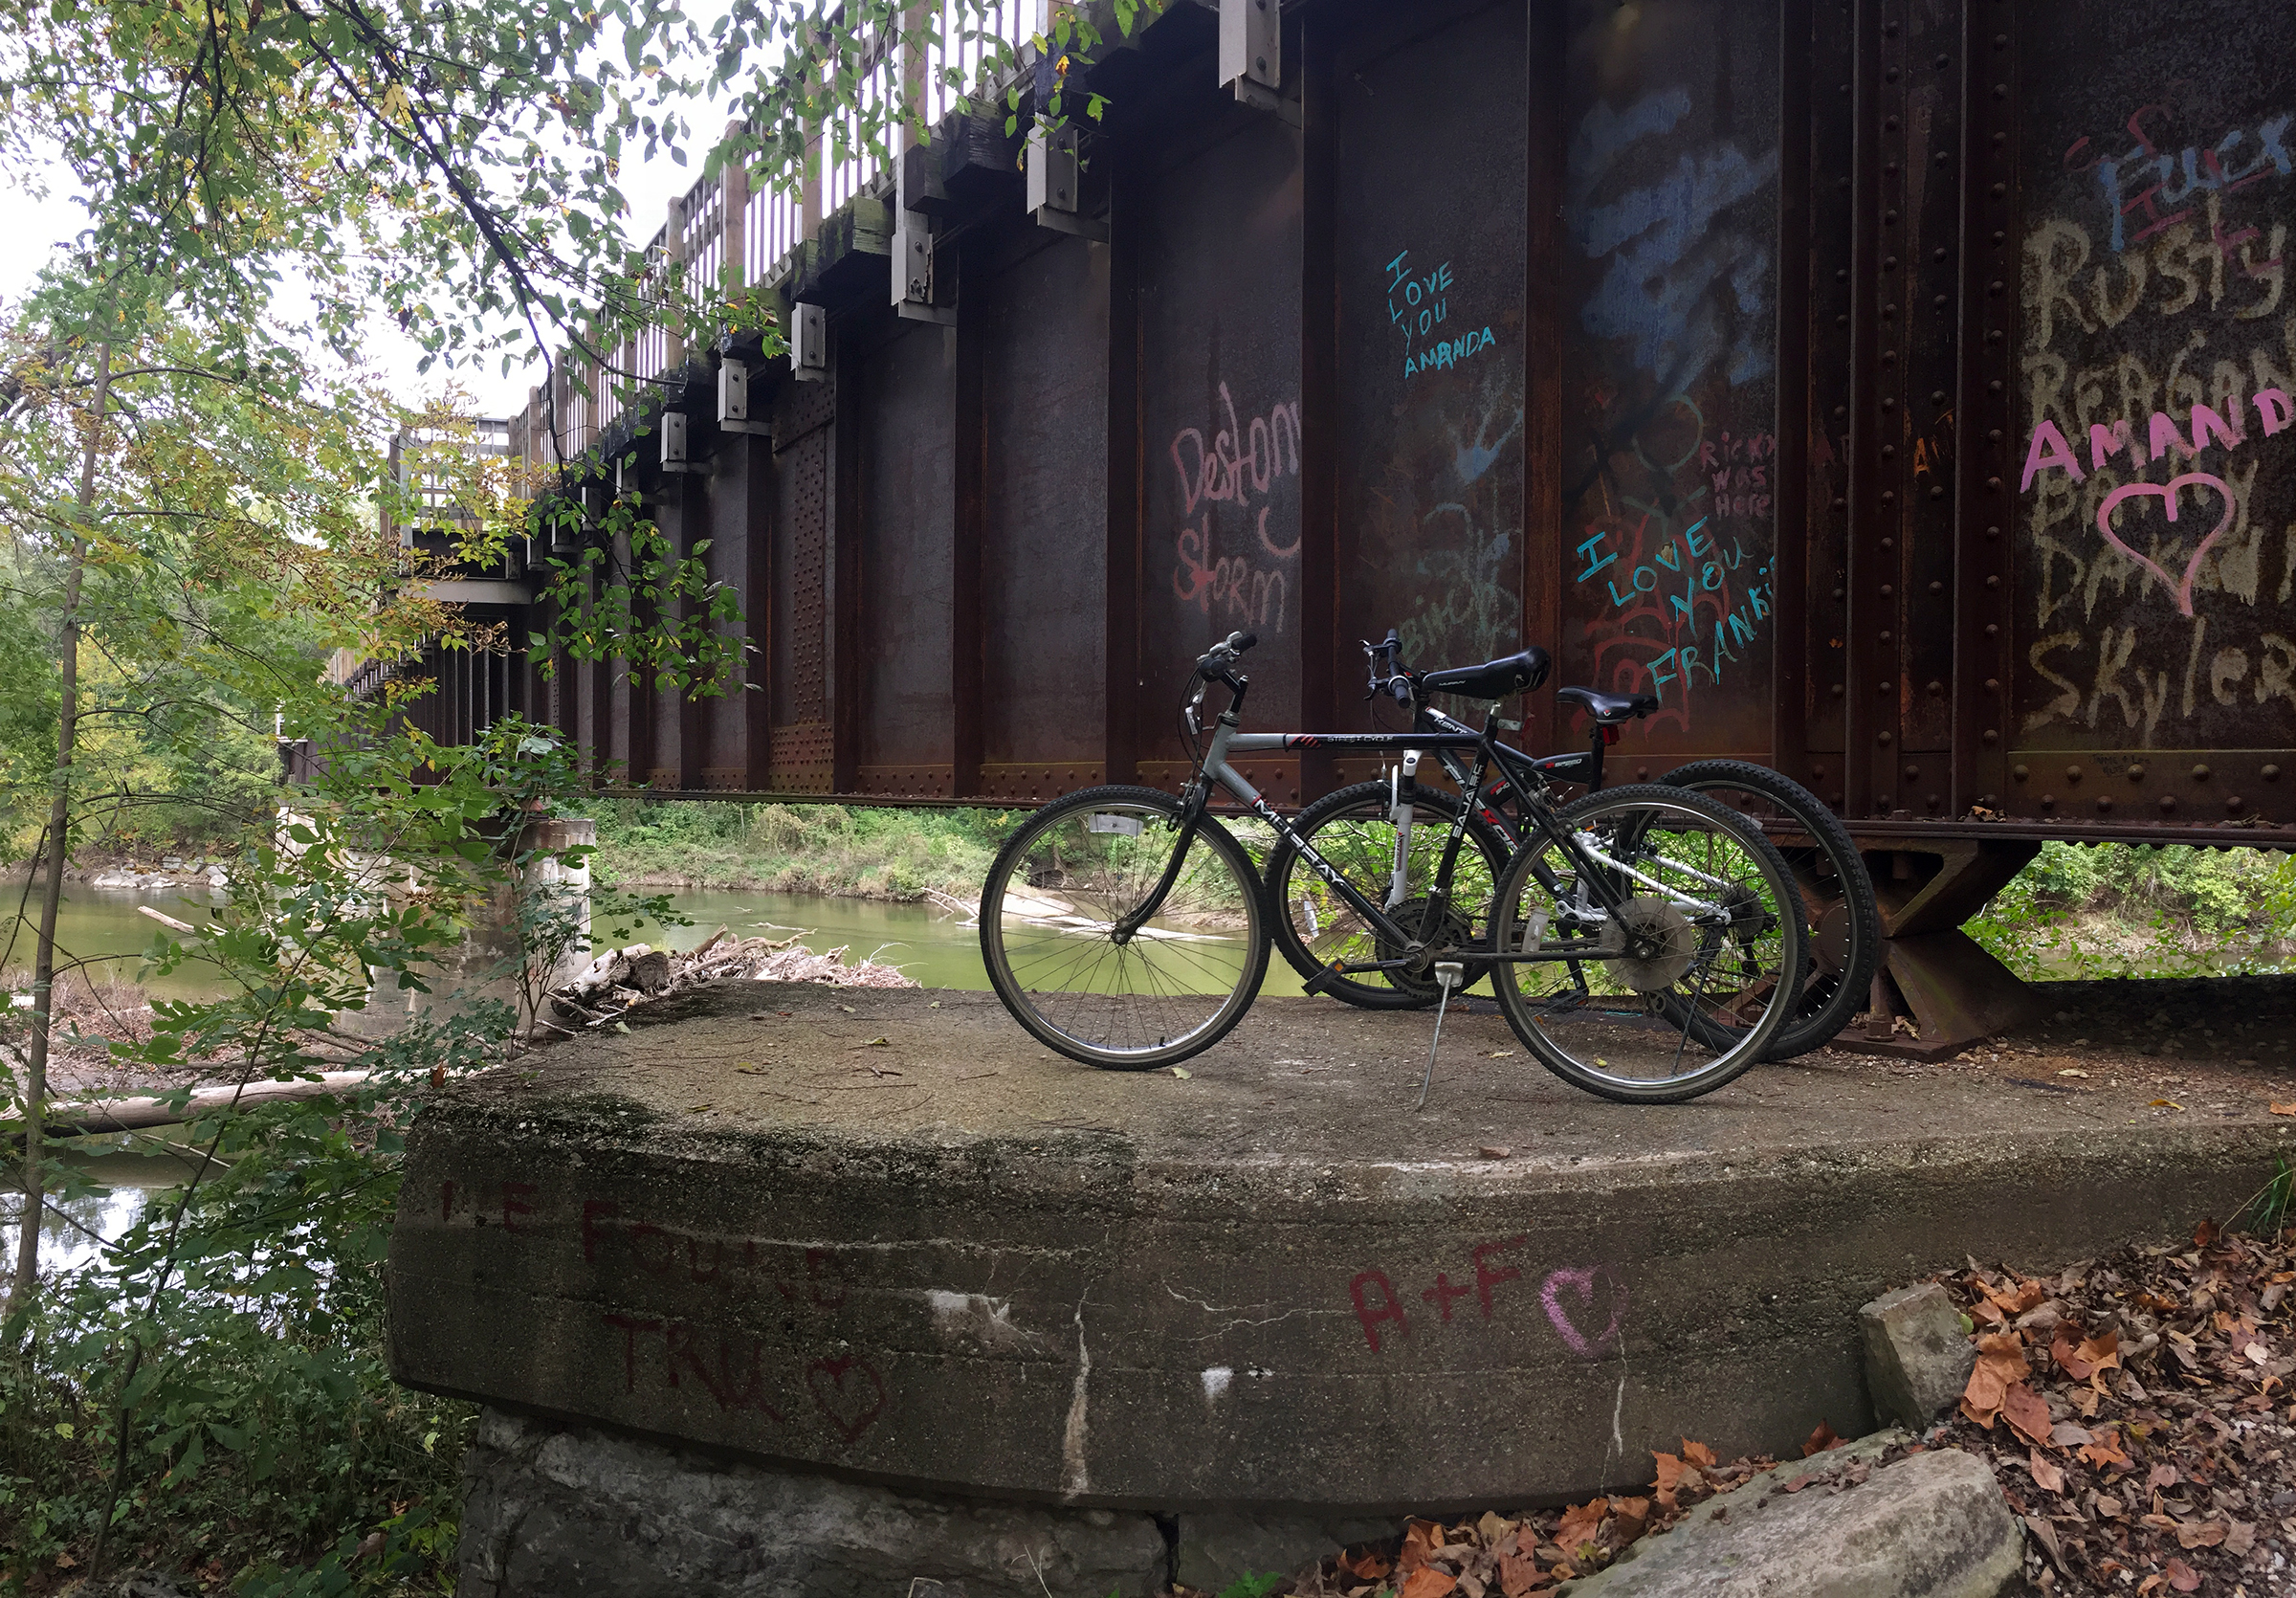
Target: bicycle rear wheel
[1673,960]
[1353,830]
[1049,930]
[1842,922]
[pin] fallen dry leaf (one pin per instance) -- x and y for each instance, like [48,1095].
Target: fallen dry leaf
[2281,1109]
[2181,1576]
[1519,1574]
[2065,1348]
[2102,1352]
[2001,1361]
[1820,1440]
[2161,1475]
[1428,1581]
[1669,1471]
[1698,1453]
[1579,1524]
[1421,1540]
[2046,1535]
[2045,1474]
[2165,1105]
[2104,1450]
[2203,1534]
[2028,1414]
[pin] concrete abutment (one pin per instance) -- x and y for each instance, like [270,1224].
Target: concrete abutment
[786,1248]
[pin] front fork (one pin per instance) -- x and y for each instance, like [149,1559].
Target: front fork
[1193,800]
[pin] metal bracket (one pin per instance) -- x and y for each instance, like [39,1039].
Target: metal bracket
[1056,182]
[675,461]
[732,400]
[809,343]
[914,283]
[1251,51]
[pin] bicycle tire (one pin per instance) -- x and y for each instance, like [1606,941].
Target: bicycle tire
[1838,980]
[1204,987]
[1327,937]
[1638,969]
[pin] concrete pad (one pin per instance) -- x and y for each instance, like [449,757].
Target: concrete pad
[888,1235]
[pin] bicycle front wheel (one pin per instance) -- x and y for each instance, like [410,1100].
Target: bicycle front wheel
[1656,958]
[1056,934]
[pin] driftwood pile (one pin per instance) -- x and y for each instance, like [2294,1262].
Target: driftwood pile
[620,980]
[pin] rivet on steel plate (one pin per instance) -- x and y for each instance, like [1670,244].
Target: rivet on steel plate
[2072,773]
[1993,532]
[2168,801]
[1935,686]
[2200,773]
[2236,804]
[1991,736]
[2270,773]
[2048,801]
[1885,738]
[2104,801]
[1993,582]
[2019,772]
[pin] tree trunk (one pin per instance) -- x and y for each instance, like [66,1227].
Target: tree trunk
[60,817]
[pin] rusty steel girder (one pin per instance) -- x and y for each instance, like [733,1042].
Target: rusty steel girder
[1898,388]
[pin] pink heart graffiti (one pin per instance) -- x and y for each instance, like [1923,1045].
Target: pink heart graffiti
[1582,1281]
[2145,490]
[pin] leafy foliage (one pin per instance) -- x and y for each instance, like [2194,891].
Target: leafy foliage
[2136,911]
[213,1389]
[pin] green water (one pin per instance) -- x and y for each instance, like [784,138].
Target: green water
[933,946]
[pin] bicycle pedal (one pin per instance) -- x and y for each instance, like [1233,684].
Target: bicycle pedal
[1321,984]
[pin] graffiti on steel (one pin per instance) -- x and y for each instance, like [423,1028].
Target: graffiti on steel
[1235,569]
[1670,375]
[2158,489]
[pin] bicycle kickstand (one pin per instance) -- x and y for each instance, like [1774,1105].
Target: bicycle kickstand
[1449,976]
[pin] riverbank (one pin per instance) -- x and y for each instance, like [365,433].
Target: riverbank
[830,851]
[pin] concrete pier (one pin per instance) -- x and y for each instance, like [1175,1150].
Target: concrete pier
[885,1239]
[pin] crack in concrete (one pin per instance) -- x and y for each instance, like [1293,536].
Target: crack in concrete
[1075,1476]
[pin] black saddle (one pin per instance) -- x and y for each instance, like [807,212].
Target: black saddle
[1608,709]
[1494,679]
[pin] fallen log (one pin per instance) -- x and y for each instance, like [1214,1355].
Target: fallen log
[90,1117]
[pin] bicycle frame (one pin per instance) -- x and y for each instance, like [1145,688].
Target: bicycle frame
[1592,866]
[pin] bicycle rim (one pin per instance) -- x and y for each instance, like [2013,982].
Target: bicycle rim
[1354,831]
[1673,961]
[1050,916]
[1844,920]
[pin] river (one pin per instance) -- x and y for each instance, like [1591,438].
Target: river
[930,945]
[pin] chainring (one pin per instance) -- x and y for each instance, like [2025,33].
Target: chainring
[1453,931]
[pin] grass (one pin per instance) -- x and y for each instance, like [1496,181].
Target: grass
[856,852]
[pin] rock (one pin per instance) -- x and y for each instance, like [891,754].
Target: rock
[550,1510]
[1218,1550]
[1931,1525]
[1917,1356]
[133,1584]
[649,972]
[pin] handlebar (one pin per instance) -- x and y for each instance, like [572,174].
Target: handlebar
[1387,673]
[1226,650]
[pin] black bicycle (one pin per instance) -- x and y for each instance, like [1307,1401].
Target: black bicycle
[1645,943]
[1386,846]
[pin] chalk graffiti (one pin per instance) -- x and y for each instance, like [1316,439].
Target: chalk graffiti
[1443,527]
[2126,430]
[2139,185]
[1383,1313]
[1242,462]
[1675,277]
[1418,304]
[2181,588]
[1674,504]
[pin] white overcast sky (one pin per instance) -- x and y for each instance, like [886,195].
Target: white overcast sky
[33,228]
